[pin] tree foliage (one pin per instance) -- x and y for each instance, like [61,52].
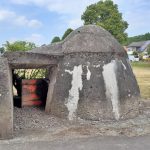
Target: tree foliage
[2,50]
[19,46]
[106,14]
[30,73]
[137,38]
[148,50]
[55,39]
[135,53]
[67,32]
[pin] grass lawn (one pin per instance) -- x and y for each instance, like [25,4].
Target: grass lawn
[142,73]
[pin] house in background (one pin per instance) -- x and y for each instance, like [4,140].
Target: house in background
[141,46]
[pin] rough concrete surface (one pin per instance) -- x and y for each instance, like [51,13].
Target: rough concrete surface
[35,120]
[37,130]
[6,101]
[92,102]
[92,143]
[24,60]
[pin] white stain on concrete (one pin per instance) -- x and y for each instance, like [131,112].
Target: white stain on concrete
[66,64]
[70,72]
[109,75]
[88,63]
[0,94]
[72,101]
[125,68]
[88,75]
[97,66]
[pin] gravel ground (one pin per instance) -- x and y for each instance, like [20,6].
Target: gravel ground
[35,118]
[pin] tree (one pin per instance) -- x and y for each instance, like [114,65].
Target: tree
[19,46]
[67,32]
[55,39]
[135,53]
[106,14]
[137,38]
[148,50]
[2,50]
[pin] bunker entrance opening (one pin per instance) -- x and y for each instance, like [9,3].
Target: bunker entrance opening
[30,87]
[32,94]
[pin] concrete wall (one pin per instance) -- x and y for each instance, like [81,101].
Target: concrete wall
[6,101]
[95,86]
[24,60]
[13,61]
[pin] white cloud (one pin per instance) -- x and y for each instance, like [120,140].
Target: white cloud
[71,8]
[12,17]
[4,14]
[135,12]
[59,6]
[36,38]
[34,23]
[26,2]
[13,39]
[74,23]
[138,22]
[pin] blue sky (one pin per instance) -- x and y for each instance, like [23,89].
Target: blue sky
[40,20]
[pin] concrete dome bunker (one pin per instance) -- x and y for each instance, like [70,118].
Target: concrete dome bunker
[91,78]
[95,80]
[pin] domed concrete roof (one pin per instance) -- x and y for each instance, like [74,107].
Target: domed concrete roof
[88,38]
[91,38]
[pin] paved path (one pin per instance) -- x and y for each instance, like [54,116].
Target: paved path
[92,143]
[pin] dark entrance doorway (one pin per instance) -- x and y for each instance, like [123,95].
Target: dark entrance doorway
[30,90]
[34,92]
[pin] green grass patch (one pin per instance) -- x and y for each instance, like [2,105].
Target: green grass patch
[143,78]
[141,64]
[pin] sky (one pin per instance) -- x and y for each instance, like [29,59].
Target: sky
[39,21]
